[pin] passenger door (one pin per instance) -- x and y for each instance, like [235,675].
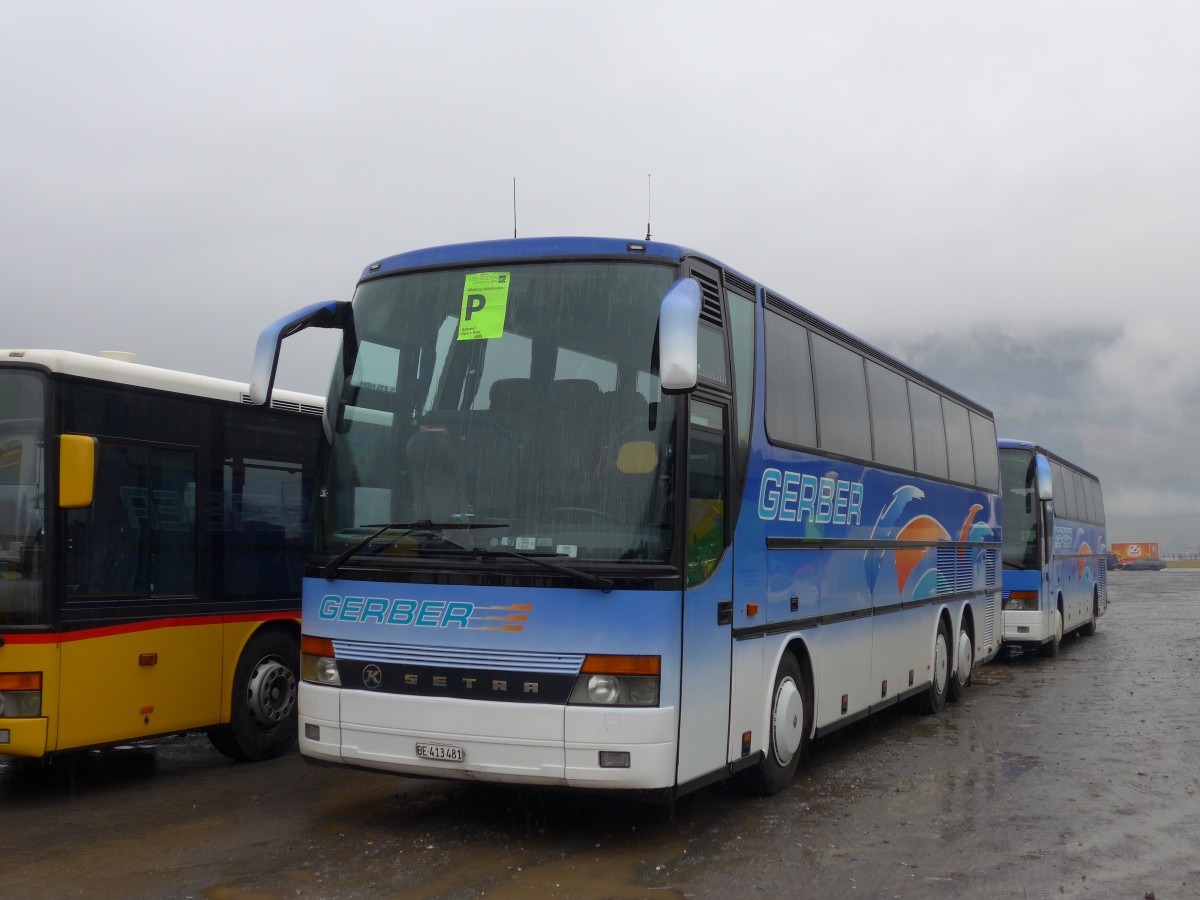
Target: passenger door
[708,594]
[138,659]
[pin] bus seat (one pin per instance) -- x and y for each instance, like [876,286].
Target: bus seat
[511,394]
[437,477]
[516,404]
[571,445]
[625,416]
[463,463]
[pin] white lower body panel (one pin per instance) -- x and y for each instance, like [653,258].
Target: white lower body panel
[521,743]
[1026,626]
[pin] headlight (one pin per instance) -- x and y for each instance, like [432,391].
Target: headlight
[20,695]
[617,681]
[318,664]
[21,705]
[604,689]
[1022,601]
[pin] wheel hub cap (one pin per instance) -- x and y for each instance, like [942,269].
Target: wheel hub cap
[787,724]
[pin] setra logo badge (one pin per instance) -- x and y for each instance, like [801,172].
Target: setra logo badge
[372,676]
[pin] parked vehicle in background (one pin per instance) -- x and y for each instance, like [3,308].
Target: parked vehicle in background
[1055,559]
[608,514]
[1144,564]
[153,527]
[1145,555]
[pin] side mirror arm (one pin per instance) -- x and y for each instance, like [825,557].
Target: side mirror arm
[330,314]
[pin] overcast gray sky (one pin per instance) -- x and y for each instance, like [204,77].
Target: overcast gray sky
[1004,193]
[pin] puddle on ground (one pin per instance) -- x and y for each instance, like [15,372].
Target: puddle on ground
[1015,764]
[991,675]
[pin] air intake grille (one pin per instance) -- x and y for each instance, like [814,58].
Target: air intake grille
[289,405]
[710,307]
[957,568]
[515,660]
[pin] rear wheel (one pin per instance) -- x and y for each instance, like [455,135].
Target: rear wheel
[788,738]
[1089,629]
[262,720]
[934,698]
[961,679]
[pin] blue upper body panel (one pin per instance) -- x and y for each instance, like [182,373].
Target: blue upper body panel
[524,248]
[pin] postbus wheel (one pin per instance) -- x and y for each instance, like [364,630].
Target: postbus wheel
[262,722]
[787,740]
[961,679]
[934,698]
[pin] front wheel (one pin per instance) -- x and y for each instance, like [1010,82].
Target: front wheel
[934,698]
[262,719]
[966,663]
[1051,648]
[788,738]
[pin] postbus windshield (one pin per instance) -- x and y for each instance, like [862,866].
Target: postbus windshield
[503,410]
[22,499]
[1020,505]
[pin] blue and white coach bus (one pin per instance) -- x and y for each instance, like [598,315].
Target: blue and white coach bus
[1055,574]
[608,514]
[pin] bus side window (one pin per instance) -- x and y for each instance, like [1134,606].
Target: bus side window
[706,532]
[138,538]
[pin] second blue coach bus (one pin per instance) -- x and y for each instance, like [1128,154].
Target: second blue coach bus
[1055,578]
[609,514]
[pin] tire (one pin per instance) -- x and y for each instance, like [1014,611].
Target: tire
[262,717]
[934,699]
[961,679]
[787,740]
[1051,648]
[1089,628]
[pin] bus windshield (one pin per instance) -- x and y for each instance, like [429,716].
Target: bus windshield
[1017,474]
[22,499]
[513,408]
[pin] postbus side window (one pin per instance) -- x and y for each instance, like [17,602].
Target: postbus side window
[706,510]
[260,518]
[138,538]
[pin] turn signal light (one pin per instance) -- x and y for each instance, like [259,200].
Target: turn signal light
[318,663]
[20,681]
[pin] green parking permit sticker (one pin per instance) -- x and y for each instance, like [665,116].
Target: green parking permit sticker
[484,304]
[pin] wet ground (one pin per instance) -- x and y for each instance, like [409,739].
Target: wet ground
[1072,777]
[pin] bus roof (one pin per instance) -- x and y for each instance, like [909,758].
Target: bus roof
[119,371]
[1016,444]
[524,248]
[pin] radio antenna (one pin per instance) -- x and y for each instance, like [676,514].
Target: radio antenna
[647,206]
[514,206]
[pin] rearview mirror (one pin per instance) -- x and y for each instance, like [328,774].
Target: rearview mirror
[1045,479]
[76,471]
[678,336]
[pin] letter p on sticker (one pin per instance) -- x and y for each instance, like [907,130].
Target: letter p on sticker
[475,302]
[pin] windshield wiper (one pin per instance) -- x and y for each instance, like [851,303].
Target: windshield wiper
[605,585]
[334,564]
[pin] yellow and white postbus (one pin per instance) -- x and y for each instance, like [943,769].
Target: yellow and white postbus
[153,529]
